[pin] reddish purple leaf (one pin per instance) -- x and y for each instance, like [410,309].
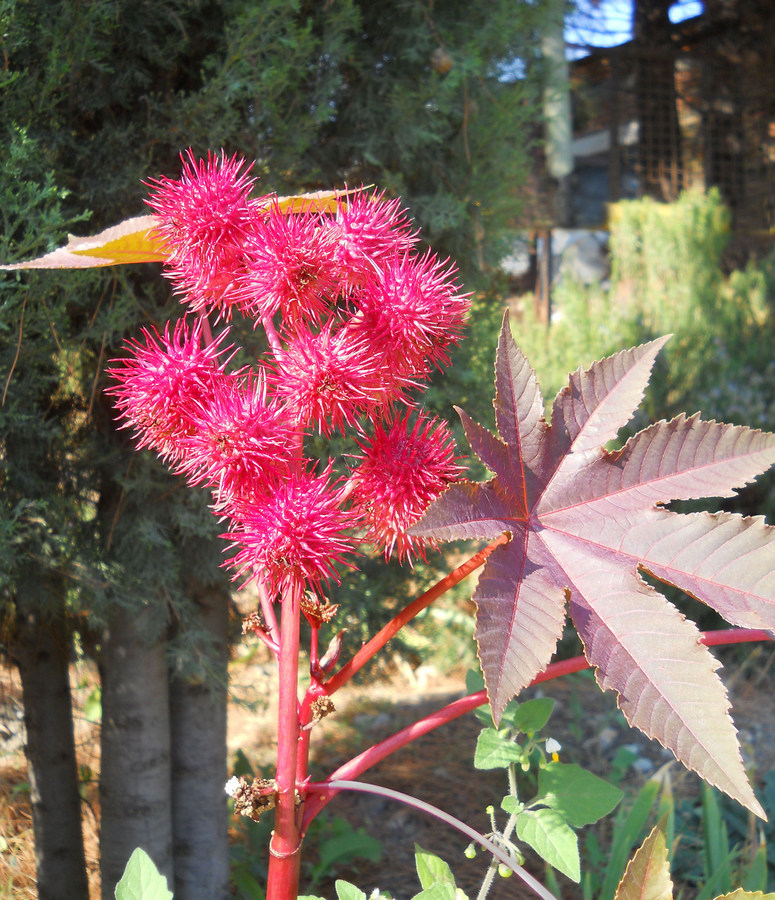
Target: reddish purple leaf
[584,521]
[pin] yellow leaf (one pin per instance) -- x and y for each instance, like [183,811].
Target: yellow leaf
[127,242]
[648,873]
[131,241]
[741,894]
[319,201]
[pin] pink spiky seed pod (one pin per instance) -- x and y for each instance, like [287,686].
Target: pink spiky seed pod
[414,312]
[367,230]
[239,443]
[291,270]
[402,469]
[293,537]
[163,382]
[206,219]
[327,380]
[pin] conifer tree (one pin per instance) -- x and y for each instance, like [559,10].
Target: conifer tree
[412,97]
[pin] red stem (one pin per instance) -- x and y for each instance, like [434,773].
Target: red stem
[381,638]
[267,609]
[285,846]
[371,756]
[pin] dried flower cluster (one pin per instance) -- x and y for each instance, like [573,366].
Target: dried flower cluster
[356,319]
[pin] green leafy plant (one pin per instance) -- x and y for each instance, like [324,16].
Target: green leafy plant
[565,796]
[142,880]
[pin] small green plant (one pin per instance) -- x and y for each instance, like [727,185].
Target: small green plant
[564,796]
[141,880]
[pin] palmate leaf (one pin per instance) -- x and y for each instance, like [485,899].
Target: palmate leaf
[585,522]
[133,240]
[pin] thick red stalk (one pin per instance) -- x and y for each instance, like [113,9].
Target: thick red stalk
[376,753]
[372,647]
[285,846]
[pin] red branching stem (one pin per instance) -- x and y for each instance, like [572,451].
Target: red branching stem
[733,636]
[369,649]
[265,639]
[313,648]
[207,332]
[267,610]
[371,756]
[285,846]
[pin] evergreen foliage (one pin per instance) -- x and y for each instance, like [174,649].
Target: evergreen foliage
[96,97]
[398,95]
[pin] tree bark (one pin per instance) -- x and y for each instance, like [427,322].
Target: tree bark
[199,764]
[136,809]
[41,652]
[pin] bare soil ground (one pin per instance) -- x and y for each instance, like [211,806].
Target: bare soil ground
[437,768]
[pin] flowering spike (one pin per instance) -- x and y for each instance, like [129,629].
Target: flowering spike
[354,319]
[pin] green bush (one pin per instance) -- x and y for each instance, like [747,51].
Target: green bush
[667,277]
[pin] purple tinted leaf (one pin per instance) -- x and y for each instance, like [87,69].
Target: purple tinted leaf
[647,652]
[519,407]
[520,617]
[587,521]
[468,510]
[725,560]
[497,457]
[600,401]
[683,459]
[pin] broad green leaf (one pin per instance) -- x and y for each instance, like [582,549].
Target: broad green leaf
[494,751]
[585,522]
[648,873]
[579,796]
[438,892]
[431,869]
[347,891]
[345,845]
[552,838]
[532,715]
[474,681]
[511,804]
[141,880]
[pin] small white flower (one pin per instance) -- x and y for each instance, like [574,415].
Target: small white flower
[232,786]
[553,746]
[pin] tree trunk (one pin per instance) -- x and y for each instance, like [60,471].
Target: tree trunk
[199,764]
[135,768]
[41,652]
